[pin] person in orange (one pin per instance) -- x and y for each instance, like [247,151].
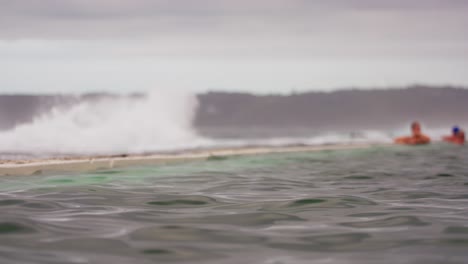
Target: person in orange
[457,137]
[417,137]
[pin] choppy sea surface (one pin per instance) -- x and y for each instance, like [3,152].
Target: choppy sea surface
[377,205]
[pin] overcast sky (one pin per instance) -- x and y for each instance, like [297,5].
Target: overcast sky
[246,45]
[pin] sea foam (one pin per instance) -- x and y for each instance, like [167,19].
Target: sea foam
[108,125]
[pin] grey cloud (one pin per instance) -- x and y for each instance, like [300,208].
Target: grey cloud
[298,27]
[84,19]
[111,9]
[401,4]
[104,9]
[31,18]
[406,39]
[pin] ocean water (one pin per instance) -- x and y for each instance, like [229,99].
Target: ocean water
[156,121]
[379,205]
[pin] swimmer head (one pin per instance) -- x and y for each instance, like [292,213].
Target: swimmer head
[416,128]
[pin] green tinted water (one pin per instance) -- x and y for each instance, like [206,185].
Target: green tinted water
[378,205]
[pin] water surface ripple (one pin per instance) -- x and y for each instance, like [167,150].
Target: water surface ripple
[378,205]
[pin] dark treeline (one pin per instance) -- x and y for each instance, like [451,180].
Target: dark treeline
[346,109]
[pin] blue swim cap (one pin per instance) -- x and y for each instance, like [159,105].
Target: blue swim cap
[455,129]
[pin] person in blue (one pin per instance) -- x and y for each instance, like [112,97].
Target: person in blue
[457,137]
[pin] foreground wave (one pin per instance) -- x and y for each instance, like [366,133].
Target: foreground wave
[369,205]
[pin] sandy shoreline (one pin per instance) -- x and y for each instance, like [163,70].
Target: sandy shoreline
[93,163]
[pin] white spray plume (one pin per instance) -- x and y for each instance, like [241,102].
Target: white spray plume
[157,121]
